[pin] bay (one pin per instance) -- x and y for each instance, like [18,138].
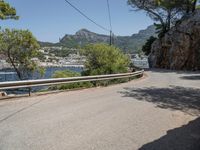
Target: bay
[10,75]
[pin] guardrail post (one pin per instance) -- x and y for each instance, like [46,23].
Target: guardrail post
[129,78]
[29,91]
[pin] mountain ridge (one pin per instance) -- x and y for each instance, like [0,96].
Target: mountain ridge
[83,37]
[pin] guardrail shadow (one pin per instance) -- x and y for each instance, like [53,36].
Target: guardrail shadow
[20,110]
[186,137]
[173,71]
[193,77]
[174,97]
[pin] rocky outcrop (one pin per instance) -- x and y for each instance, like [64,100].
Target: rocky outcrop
[85,34]
[180,48]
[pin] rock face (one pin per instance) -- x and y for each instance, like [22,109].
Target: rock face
[180,48]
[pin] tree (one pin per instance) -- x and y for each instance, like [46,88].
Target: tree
[20,47]
[166,12]
[104,59]
[147,47]
[6,11]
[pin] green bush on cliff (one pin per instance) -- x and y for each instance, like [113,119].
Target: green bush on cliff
[147,46]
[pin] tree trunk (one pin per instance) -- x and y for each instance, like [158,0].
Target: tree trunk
[16,70]
[168,25]
[188,5]
[194,5]
[14,66]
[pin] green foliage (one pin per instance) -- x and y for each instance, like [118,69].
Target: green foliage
[20,47]
[147,47]
[104,59]
[48,44]
[160,29]
[6,11]
[67,74]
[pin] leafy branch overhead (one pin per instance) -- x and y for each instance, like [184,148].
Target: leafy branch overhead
[7,12]
[18,46]
[165,12]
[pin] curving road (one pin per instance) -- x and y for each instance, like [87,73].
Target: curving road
[159,112]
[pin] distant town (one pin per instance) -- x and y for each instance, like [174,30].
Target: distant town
[50,59]
[73,59]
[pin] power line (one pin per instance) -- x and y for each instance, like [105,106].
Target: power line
[78,10]
[109,14]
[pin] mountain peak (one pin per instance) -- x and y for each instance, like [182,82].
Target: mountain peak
[83,31]
[149,31]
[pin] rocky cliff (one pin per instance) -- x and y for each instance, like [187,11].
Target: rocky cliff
[180,48]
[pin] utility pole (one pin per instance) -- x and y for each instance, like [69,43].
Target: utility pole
[113,39]
[110,37]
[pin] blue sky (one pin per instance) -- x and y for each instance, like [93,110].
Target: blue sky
[50,20]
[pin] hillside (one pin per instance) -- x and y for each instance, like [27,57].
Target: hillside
[84,36]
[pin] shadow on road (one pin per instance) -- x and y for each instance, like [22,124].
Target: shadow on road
[173,71]
[196,77]
[186,137]
[184,99]
[174,97]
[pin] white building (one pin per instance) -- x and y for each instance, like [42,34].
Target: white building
[4,64]
[141,62]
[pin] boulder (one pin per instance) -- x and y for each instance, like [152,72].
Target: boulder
[3,94]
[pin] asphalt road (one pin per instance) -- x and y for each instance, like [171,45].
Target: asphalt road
[159,112]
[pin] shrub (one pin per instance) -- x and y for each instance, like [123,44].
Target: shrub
[104,59]
[147,47]
[67,74]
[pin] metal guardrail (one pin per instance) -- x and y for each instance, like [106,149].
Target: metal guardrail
[57,81]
